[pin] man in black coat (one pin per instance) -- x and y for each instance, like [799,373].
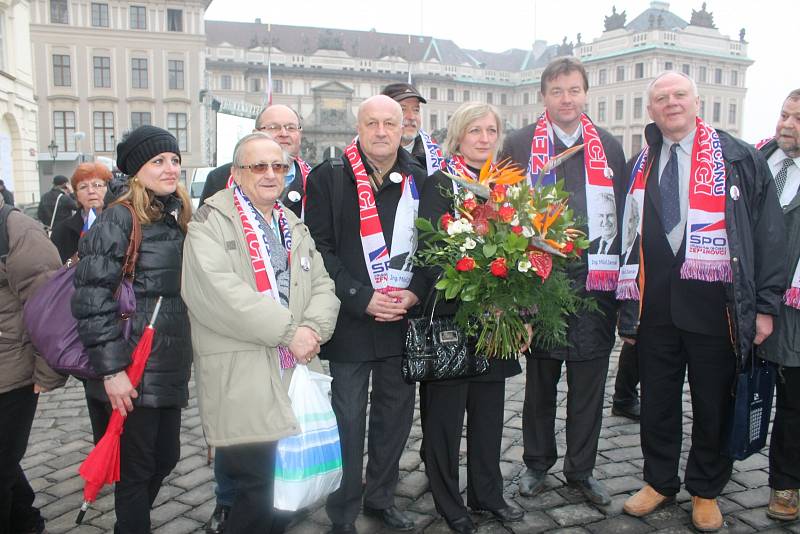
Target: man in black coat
[783,157]
[694,318]
[590,335]
[57,201]
[370,331]
[282,123]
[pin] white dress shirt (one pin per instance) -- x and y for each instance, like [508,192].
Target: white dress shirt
[775,162]
[684,153]
[567,139]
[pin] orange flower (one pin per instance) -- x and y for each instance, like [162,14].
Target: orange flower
[506,213]
[469,204]
[465,264]
[498,268]
[498,193]
[445,221]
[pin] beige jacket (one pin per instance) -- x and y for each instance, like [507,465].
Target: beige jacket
[32,258]
[235,329]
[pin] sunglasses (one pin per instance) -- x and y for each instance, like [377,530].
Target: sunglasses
[261,168]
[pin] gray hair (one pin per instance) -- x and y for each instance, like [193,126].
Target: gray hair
[666,73]
[607,197]
[793,95]
[461,119]
[265,108]
[239,149]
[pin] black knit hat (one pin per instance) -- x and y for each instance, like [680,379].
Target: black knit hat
[142,144]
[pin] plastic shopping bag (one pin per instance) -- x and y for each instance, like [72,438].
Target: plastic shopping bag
[308,466]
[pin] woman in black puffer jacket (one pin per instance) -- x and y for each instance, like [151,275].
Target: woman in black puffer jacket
[150,445]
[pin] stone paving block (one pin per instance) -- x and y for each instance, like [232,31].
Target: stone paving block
[734,526]
[66,523]
[105,521]
[424,505]
[70,503]
[491,527]
[574,514]
[668,516]
[67,487]
[164,513]
[413,485]
[63,460]
[513,454]
[569,530]
[36,459]
[202,512]
[622,454]
[181,525]
[615,469]
[627,440]
[532,522]
[189,463]
[198,495]
[622,524]
[756,461]
[757,518]
[194,478]
[751,498]
[410,460]
[752,479]
[168,492]
[622,484]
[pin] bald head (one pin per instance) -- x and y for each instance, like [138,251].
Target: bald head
[282,123]
[380,126]
[673,104]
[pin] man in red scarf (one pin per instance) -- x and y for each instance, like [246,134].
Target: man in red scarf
[709,279]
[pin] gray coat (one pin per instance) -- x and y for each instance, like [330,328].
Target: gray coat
[783,346]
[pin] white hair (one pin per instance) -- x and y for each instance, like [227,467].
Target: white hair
[665,73]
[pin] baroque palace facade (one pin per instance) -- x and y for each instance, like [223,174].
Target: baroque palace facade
[325,73]
[102,67]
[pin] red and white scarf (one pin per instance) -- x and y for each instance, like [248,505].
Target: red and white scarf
[603,268]
[792,295]
[383,275]
[707,253]
[434,160]
[258,247]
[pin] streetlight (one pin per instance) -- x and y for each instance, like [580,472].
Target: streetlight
[53,148]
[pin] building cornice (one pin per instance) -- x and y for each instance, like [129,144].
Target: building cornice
[176,99]
[146,99]
[100,98]
[73,98]
[675,49]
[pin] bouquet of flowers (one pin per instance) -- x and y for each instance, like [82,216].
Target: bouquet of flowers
[504,255]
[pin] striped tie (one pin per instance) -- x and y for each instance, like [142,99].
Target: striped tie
[780,178]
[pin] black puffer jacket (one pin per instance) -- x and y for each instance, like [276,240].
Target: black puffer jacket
[158,273]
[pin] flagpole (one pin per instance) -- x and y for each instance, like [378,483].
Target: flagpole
[269,64]
[409,59]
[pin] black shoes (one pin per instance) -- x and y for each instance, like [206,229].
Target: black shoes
[531,482]
[509,514]
[462,525]
[593,490]
[392,517]
[344,528]
[216,523]
[631,411]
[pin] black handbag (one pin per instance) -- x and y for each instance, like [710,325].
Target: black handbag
[437,349]
[751,408]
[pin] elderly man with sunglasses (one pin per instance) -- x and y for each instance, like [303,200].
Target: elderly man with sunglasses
[282,123]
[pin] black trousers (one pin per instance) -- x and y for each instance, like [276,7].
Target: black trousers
[252,469]
[17,513]
[784,445]
[586,382]
[665,352]
[445,404]
[627,381]
[390,417]
[149,449]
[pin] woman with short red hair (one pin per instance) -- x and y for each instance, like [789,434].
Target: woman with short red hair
[90,183]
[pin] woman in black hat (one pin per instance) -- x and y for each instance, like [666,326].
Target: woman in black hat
[150,445]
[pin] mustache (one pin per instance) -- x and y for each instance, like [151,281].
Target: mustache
[410,123]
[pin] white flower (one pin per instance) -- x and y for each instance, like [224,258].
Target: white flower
[524,266]
[462,249]
[469,195]
[513,192]
[469,243]
[460,226]
[527,231]
[515,220]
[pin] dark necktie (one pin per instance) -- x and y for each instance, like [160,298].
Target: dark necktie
[670,191]
[780,178]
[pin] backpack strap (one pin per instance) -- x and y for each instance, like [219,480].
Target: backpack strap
[134,242]
[338,186]
[5,210]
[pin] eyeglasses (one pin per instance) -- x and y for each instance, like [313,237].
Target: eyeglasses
[275,128]
[85,186]
[261,168]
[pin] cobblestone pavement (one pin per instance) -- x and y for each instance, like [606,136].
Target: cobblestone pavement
[61,438]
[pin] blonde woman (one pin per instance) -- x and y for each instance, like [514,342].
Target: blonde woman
[150,443]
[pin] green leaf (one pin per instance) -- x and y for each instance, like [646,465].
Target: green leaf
[452,290]
[424,225]
[489,249]
[443,283]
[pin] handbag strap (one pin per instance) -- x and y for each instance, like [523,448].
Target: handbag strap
[432,293]
[135,241]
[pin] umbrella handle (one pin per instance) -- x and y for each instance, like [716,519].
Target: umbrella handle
[155,312]
[82,512]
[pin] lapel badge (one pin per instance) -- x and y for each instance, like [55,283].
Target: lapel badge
[294,196]
[608,173]
[734,192]
[395,178]
[305,263]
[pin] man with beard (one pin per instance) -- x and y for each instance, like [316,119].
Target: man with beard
[783,157]
[415,140]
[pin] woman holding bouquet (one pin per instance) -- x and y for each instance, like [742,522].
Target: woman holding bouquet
[474,134]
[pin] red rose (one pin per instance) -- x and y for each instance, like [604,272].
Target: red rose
[498,268]
[469,204]
[569,247]
[498,193]
[506,213]
[516,229]
[465,264]
[445,221]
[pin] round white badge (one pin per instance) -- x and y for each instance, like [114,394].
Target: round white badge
[608,172]
[734,192]
[395,178]
[294,196]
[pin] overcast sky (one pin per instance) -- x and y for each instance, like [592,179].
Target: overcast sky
[772,30]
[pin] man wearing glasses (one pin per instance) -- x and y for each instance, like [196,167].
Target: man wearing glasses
[281,123]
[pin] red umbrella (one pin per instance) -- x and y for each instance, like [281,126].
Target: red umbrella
[101,467]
